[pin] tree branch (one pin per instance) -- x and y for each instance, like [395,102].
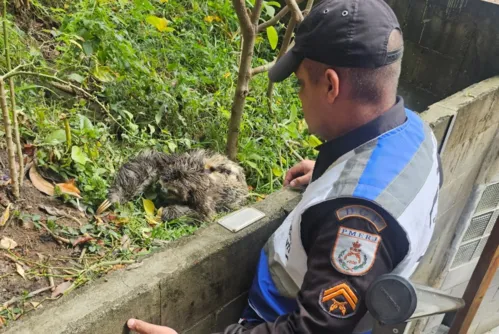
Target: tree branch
[8,138]
[268,66]
[273,20]
[262,68]
[293,6]
[242,16]
[257,10]
[12,95]
[277,17]
[308,7]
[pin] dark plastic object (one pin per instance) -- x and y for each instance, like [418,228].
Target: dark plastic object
[391,299]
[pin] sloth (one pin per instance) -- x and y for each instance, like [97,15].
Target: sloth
[198,184]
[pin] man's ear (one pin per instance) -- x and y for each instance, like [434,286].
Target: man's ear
[333,81]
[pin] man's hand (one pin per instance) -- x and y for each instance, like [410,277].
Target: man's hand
[300,174]
[143,327]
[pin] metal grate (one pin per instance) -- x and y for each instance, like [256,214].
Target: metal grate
[479,249]
[477,226]
[490,198]
[465,253]
[492,222]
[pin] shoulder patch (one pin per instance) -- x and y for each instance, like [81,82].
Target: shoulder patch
[354,251]
[363,212]
[339,301]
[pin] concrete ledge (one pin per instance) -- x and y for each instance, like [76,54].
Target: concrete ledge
[197,281]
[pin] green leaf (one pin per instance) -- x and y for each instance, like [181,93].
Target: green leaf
[85,123]
[277,171]
[159,23]
[56,137]
[148,206]
[272,36]
[76,77]
[314,141]
[270,10]
[88,48]
[103,74]
[172,146]
[274,3]
[78,155]
[254,166]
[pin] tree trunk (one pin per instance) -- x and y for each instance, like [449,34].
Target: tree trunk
[17,135]
[242,89]
[8,138]
[12,94]
[248,22]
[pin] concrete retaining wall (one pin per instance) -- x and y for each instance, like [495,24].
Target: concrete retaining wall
[195,285]
[466,125]
[449,45]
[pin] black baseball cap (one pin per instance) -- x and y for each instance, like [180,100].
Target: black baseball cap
[342,33]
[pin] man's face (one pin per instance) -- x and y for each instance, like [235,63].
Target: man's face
[313,96]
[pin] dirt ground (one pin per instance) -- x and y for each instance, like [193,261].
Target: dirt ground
[36,249]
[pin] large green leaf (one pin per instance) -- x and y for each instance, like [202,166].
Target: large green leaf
[56,137]
[78,155]
[272,36]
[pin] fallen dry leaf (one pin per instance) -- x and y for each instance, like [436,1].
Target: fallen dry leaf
[29,149]
[69,188]
[99,220]
[36,304]
[20,270]
[125,242]
[153,221]
[53,211]
[39,182]
[7,243]
[82,240]
[59,290]
[2,322]
[5,216]
[118,266]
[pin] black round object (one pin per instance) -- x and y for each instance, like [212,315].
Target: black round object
[391,299]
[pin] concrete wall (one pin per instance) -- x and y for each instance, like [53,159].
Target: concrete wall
[466,125]
[449,45]
[195,285]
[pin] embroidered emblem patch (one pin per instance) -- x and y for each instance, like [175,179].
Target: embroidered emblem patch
[340,301]
[363,212]
[354,251]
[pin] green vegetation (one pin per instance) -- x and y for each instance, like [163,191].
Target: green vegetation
[163,73]
[166,70]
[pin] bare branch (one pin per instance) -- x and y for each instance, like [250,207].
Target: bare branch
[293,6]
[12,95]
[14,70]
[8,138]
[273,20]
[257,10]
[277,17]
[308,7]
[242,16]
[268,66]
[262,68]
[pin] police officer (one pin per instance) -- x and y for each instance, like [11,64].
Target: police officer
[371,197]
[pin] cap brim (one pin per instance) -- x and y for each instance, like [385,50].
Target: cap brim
[285,66]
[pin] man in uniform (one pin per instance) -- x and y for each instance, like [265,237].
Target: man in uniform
[371,197]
